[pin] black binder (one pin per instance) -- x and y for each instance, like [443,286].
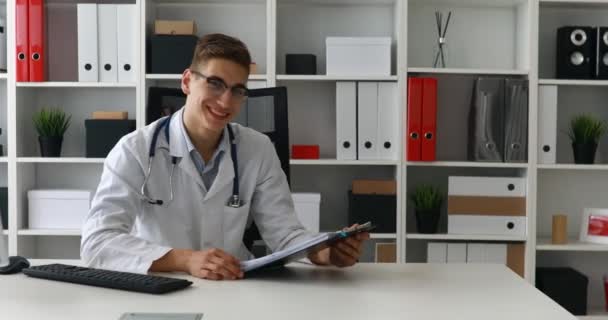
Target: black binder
[516,120]
[486,121]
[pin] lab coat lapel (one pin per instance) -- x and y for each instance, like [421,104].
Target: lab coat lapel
[178,148]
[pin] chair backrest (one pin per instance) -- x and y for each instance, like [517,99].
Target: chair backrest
[266,111]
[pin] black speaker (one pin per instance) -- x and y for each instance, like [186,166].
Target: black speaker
[602,53]
[171,53]
[576,52]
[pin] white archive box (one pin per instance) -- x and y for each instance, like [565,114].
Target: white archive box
[307,209]
[487,186]
[484,225]
[58,208]
[358,56]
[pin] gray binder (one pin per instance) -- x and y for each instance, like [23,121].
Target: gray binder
[486,121]
[516,120]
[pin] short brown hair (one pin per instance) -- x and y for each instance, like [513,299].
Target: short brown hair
[217,45]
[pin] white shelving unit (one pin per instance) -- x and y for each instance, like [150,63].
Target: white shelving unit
[506,38]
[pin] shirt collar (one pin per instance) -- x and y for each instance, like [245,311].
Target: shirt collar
[222,147]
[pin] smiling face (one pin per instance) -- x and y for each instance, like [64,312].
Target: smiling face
[214,94]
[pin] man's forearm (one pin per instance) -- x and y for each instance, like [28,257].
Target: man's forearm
[174,260]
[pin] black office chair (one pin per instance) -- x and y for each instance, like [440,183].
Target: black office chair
[265,111]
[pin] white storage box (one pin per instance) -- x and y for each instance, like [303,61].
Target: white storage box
[487,225]
[58,209]
[487,186]
[358,56]
[307,209]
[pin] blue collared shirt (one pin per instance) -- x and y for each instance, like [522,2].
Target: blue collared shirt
[208,171]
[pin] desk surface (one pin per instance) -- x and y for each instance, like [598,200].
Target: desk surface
[298,292]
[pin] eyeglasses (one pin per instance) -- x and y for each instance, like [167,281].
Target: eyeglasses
[217,86]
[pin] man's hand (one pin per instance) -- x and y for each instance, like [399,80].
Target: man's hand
[342,253]
[213,264]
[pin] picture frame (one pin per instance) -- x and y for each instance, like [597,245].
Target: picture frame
[594,225]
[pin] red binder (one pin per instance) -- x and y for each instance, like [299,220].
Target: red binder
[22,41]
[36,48]
[429,119]
[414,118]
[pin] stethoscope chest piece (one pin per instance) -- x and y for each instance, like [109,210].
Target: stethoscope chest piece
[235,202]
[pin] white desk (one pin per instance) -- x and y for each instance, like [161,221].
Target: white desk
[367,291]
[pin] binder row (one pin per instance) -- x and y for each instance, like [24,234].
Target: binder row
[422,119]
[29,38]
[107,42]
[498,121]
[367,115]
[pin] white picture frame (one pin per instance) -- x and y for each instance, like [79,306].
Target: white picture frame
[594,226]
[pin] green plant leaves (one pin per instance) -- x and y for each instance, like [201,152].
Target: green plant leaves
[426,197]
[586,128]
[51,122]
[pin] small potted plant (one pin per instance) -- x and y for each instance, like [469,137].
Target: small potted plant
[427,202]
[585,132]
[51,124]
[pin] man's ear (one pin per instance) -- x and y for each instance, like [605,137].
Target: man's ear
[186,78]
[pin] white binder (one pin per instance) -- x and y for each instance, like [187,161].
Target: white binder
[367,120]
[346,120]
[437,252]
[388,121]
[487,186]
[107,32]
[87,42]
[457,253]
[127,42]
[494,253]
[547,123]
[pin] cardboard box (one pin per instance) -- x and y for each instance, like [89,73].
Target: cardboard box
[387,187]
[110,115]
[516,257]
[493,206]
[57,209]
[386,252]
[174,27]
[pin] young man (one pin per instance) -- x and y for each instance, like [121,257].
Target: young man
[164,202]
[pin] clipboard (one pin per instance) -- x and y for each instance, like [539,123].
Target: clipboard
[301,250]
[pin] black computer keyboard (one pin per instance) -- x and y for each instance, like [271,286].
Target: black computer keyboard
[106,278]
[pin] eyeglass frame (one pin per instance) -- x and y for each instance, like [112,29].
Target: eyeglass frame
[225,87]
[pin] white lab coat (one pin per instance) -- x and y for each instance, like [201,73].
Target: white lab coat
[124,232]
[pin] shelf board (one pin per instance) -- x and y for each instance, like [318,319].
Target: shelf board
[322,77]
[572,166]
[3,159]
[60,160]
[467,164]
[177,76]
[544,244]
[49,232]
[468,237]
[469,3]
[468,71]
[5,232]
[392,236]
[568,82]
[572,3]
[334,162]
[3,75]
[70,84]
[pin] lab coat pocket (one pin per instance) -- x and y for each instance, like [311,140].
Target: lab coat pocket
[234,223]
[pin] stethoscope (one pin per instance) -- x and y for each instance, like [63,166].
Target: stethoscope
[234,200]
